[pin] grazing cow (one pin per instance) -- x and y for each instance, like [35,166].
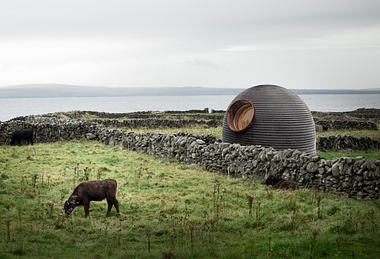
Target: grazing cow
[279,183]
[22,136]
[93,191]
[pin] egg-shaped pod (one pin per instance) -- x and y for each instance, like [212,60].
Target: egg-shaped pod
[270,116]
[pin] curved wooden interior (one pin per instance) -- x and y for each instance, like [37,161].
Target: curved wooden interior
[240,115]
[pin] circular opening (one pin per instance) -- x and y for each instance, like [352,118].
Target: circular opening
[240,115]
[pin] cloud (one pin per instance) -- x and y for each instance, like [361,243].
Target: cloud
[179,42]
[201,63]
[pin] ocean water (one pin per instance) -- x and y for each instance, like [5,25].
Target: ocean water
[14,107]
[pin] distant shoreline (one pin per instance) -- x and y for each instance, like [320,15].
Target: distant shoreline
[62,91]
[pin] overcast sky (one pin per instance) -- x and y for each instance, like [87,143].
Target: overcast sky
[318,44]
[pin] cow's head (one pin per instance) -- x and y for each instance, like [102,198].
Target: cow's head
[270,180]
[70,204]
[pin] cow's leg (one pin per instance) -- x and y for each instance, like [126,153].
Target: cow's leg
[109,207]
[115,203]
[86,208]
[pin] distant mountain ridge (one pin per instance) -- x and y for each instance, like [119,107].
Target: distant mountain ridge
[64,90]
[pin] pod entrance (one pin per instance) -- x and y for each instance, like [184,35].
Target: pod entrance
[240,115]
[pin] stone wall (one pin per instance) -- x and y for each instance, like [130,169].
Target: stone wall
[339,142]
[355,177]
[362,113]
[346,125]
[195,114]
[157,123]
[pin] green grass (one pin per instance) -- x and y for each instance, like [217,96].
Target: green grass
[329,155]
[168,210]
[374,134]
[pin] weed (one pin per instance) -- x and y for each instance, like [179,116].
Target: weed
[319,213]
[148,237]
[259,211]
[250,203]
[191,228]
[313,241]
[34,180]
[338,242]
[371,215]
[8,224]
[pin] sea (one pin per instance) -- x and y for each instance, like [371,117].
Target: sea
[14,107]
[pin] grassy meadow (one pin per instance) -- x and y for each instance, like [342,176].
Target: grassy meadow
[168,210]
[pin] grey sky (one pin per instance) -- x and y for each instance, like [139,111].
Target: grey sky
[297,43]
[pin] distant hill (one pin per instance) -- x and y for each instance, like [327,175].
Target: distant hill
[63,90]
[60,90]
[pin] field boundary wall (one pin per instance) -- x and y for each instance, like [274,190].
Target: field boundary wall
[354,177]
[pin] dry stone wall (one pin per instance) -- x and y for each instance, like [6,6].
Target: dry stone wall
[141,115]
[346,125]
[362,113]
[339,142]
[354,177]
[156,123]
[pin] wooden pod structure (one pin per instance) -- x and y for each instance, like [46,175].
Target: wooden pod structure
[270,116]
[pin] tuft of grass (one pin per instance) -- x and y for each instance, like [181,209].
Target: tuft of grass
[168,210]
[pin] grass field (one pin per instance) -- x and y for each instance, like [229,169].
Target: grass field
[168,210]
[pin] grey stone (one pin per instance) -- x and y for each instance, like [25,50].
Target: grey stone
[335,170]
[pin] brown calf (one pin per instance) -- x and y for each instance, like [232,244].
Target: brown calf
[279,183]
[93,191]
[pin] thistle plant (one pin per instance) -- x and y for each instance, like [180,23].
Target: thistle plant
[250,203]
